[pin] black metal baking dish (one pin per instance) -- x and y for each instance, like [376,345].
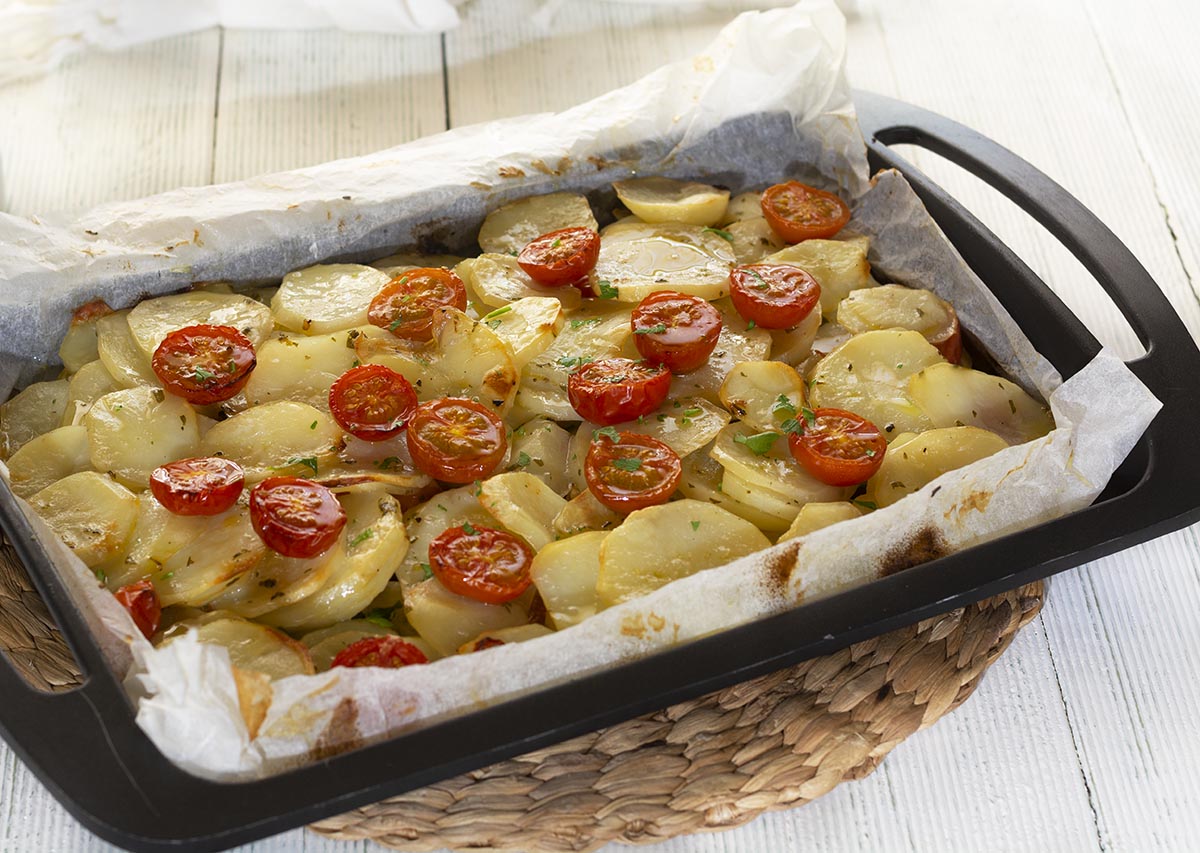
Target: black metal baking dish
[86,748]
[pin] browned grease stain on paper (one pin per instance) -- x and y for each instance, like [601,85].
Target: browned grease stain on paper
[341,733]
[780,566]
[923,546]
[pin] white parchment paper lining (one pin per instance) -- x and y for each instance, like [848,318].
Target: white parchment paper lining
[767,100]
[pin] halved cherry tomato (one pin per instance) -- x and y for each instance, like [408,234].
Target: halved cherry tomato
[676,330]
[141,601]
[798,212]
[204,364]
[560,257]
[481,563]
[773,296]
[613,390]
[295,517]
[208,485]
[634,472]
[384,652]
[839,448]
[372,402]
[456,440]
[406,304]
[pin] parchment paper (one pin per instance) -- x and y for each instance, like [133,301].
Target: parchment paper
[766,101]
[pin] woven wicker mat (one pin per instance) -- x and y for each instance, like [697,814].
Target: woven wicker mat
[709,764]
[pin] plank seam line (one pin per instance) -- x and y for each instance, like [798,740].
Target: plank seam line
[1075,742]
[212,156]
[445,82]
[895,803]
[1140,148]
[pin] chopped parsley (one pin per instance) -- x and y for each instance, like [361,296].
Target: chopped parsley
[607,432]
[759,443]
[695,525]
[762,282]
[469,529]
[751,325]
[499,312]
[865,504]
[783,404]
[523,459]
[651,330]
[791,425]
[557,242]
[202,375]
[724,235]
[591,321]
[379,617]
[306,461]
[362,537]
[388,464]
[693,412]
[809,415]
[313,425]
[870,453]
[101,576]
[425,569]
[628,464]
[607,291]
[573,362]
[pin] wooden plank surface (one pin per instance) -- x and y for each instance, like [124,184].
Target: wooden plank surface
[1083,736]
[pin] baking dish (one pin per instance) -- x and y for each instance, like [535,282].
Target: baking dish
[87,749]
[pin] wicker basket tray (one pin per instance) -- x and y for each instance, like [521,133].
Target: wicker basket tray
[709,764]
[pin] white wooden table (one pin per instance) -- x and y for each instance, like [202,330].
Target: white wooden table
[1085,735]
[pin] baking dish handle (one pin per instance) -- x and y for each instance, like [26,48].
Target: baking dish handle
[885,121]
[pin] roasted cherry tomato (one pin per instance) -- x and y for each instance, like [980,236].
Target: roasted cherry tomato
[634,472]
[456,440]
[839,448]
[773,296]
[208,485]
[372,402]
[561,257]
[204,364]
[385,652]
[295,517]
[141,601]
[613,390]
[675,330]
[798,212]
[406,304]
[481,563]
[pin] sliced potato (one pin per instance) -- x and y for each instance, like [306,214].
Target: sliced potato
[792,346]
[868,375]
[685,425]
[926,457]
[773,470]
[510,227]
[408,261]
[528,325]
[280,438]
[153,319]
[326,298]
[157,535]
[960,396]
[451,508]
[637,259]
[275,581]
[120,353]
[814,516]
[33,412]
[584,512]
[497,280]
[47,458]
[79,346]
[523,504]
[361,627]
[256,647]
[702,480]
[204,567]
[735,345]
[753,240]
[776,510]
[763,394]
[894,306]
[446,621]
[743,206]
[565,574]
[658,200]
[93,515]
[368,465]
[540,447]
[659,544]
[839,266]
[89,384]
[504,636]
[299,368]
[373,542]
[134,430]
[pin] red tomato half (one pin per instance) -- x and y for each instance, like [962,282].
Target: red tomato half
[798,212]
[141,601]
[561,257]
[372,402]
[204,364]
[634,472]
[774,296]
[295,517]
[208,485]
[481,563]
[614,390]
[406,304]
[676,330]
[456,440]
[384,652]
[839,448]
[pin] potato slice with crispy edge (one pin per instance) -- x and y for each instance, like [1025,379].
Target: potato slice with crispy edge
[34,411]
[48,458]
[660,544]
[226,547]
[504,636]
[93,515]
[767,465]
[527,326]
[763,394]
[960,396]
[254,647]
[584,512]
[911,466]
[818,514]
[276,439]
[120,353]
[446,621]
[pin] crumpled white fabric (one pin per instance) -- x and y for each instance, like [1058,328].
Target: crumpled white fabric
[35,35]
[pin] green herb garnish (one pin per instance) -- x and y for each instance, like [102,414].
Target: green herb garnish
[759,443]
[379,617]
[864,504]
[724,235]
[652,330]
[628,464]
[695,525]
[523,459]
[362,537]
[469,529]
[607,291]
[608,432]
[499,312]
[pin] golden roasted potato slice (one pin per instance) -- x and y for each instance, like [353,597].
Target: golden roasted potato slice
[280,438]
[120,353]
[225,548]
[528,325]
[816,515]
[658,200]
[763,394]
[48,458]
[909,467]
[425,522]
[565,574]
[326,298]
[299,368]
[93,515]
[508,228]
[504,636]
[522,504]
[639,258]
[496,280]
[33,412]
[254,647]
[151,320]
[540,447]
[133,431]
[446,621]
[960,396]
